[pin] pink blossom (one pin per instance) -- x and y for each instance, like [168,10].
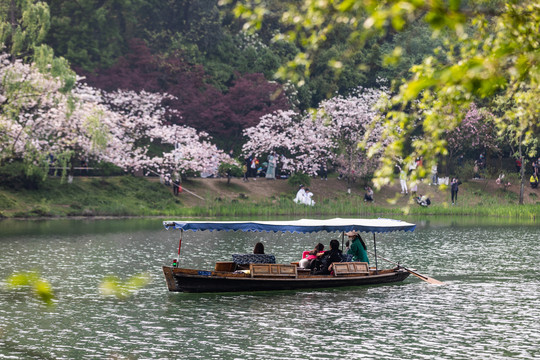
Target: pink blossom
[37,119]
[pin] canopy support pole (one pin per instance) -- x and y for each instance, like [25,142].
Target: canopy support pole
[375,248]
[180,242]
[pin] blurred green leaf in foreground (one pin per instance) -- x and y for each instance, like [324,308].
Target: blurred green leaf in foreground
[32,279]
[112,285]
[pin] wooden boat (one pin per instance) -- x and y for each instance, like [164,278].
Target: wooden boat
[259,276]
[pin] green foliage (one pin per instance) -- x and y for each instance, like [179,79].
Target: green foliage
[465,171]
[91,33]
[57,67]
[115,196]
[94,34]
[109,169]
[203,33]
[112,285]
[230,169]
[17,175]
[40,287]
[406,49]
[23,26]
[298,179]
[40,209]
[477,64]
[7,202]
[480,56]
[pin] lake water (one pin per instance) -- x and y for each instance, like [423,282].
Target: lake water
[488,309]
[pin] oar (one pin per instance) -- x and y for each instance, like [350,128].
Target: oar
[418,275]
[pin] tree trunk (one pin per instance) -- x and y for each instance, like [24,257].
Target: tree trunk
[13,24]
[349,172]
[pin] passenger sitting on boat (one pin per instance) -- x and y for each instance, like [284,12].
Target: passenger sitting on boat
[259,248]
[312,255]
[358,247]
[329,257]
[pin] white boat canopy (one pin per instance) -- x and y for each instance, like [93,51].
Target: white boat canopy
[296,226]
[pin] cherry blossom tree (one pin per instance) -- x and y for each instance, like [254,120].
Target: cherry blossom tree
[332,133]
[294,137]
[38,120]
[351,123]
[476,131]
[144,122]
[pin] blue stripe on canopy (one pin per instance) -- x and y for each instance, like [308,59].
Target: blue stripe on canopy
[296,226]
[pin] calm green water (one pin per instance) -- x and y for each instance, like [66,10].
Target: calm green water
[489,309]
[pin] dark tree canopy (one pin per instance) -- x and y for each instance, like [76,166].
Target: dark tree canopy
[222,114]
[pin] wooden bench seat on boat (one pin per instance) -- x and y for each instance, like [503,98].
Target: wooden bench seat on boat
[351,268]
[272,270]
[226,266]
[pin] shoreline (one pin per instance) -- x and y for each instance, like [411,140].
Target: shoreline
[129,197]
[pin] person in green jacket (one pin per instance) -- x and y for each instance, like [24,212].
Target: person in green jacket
[358,247]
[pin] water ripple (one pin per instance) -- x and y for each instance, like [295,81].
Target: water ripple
[488,309]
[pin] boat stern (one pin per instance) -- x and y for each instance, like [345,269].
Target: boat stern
[169,278]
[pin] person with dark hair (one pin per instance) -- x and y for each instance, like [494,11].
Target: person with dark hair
[329,257]
[311,256]
[323,171]
[536,167]
[358,247]
[259,248]
[247,163]
[368,196]
[460,160]
[303,196]
[423,200]
[454,188]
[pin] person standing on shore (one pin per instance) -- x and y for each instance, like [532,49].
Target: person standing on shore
[271,170]
[434,175]
[403,180]
[454,188]
[247,169]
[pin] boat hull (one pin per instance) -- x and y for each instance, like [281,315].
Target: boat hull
[190,280]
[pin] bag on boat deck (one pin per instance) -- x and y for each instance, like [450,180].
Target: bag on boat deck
[315,265]
[346,257]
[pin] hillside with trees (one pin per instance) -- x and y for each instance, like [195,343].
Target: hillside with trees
[176,87]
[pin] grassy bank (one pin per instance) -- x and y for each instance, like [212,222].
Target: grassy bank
[131,196]
[112,196]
